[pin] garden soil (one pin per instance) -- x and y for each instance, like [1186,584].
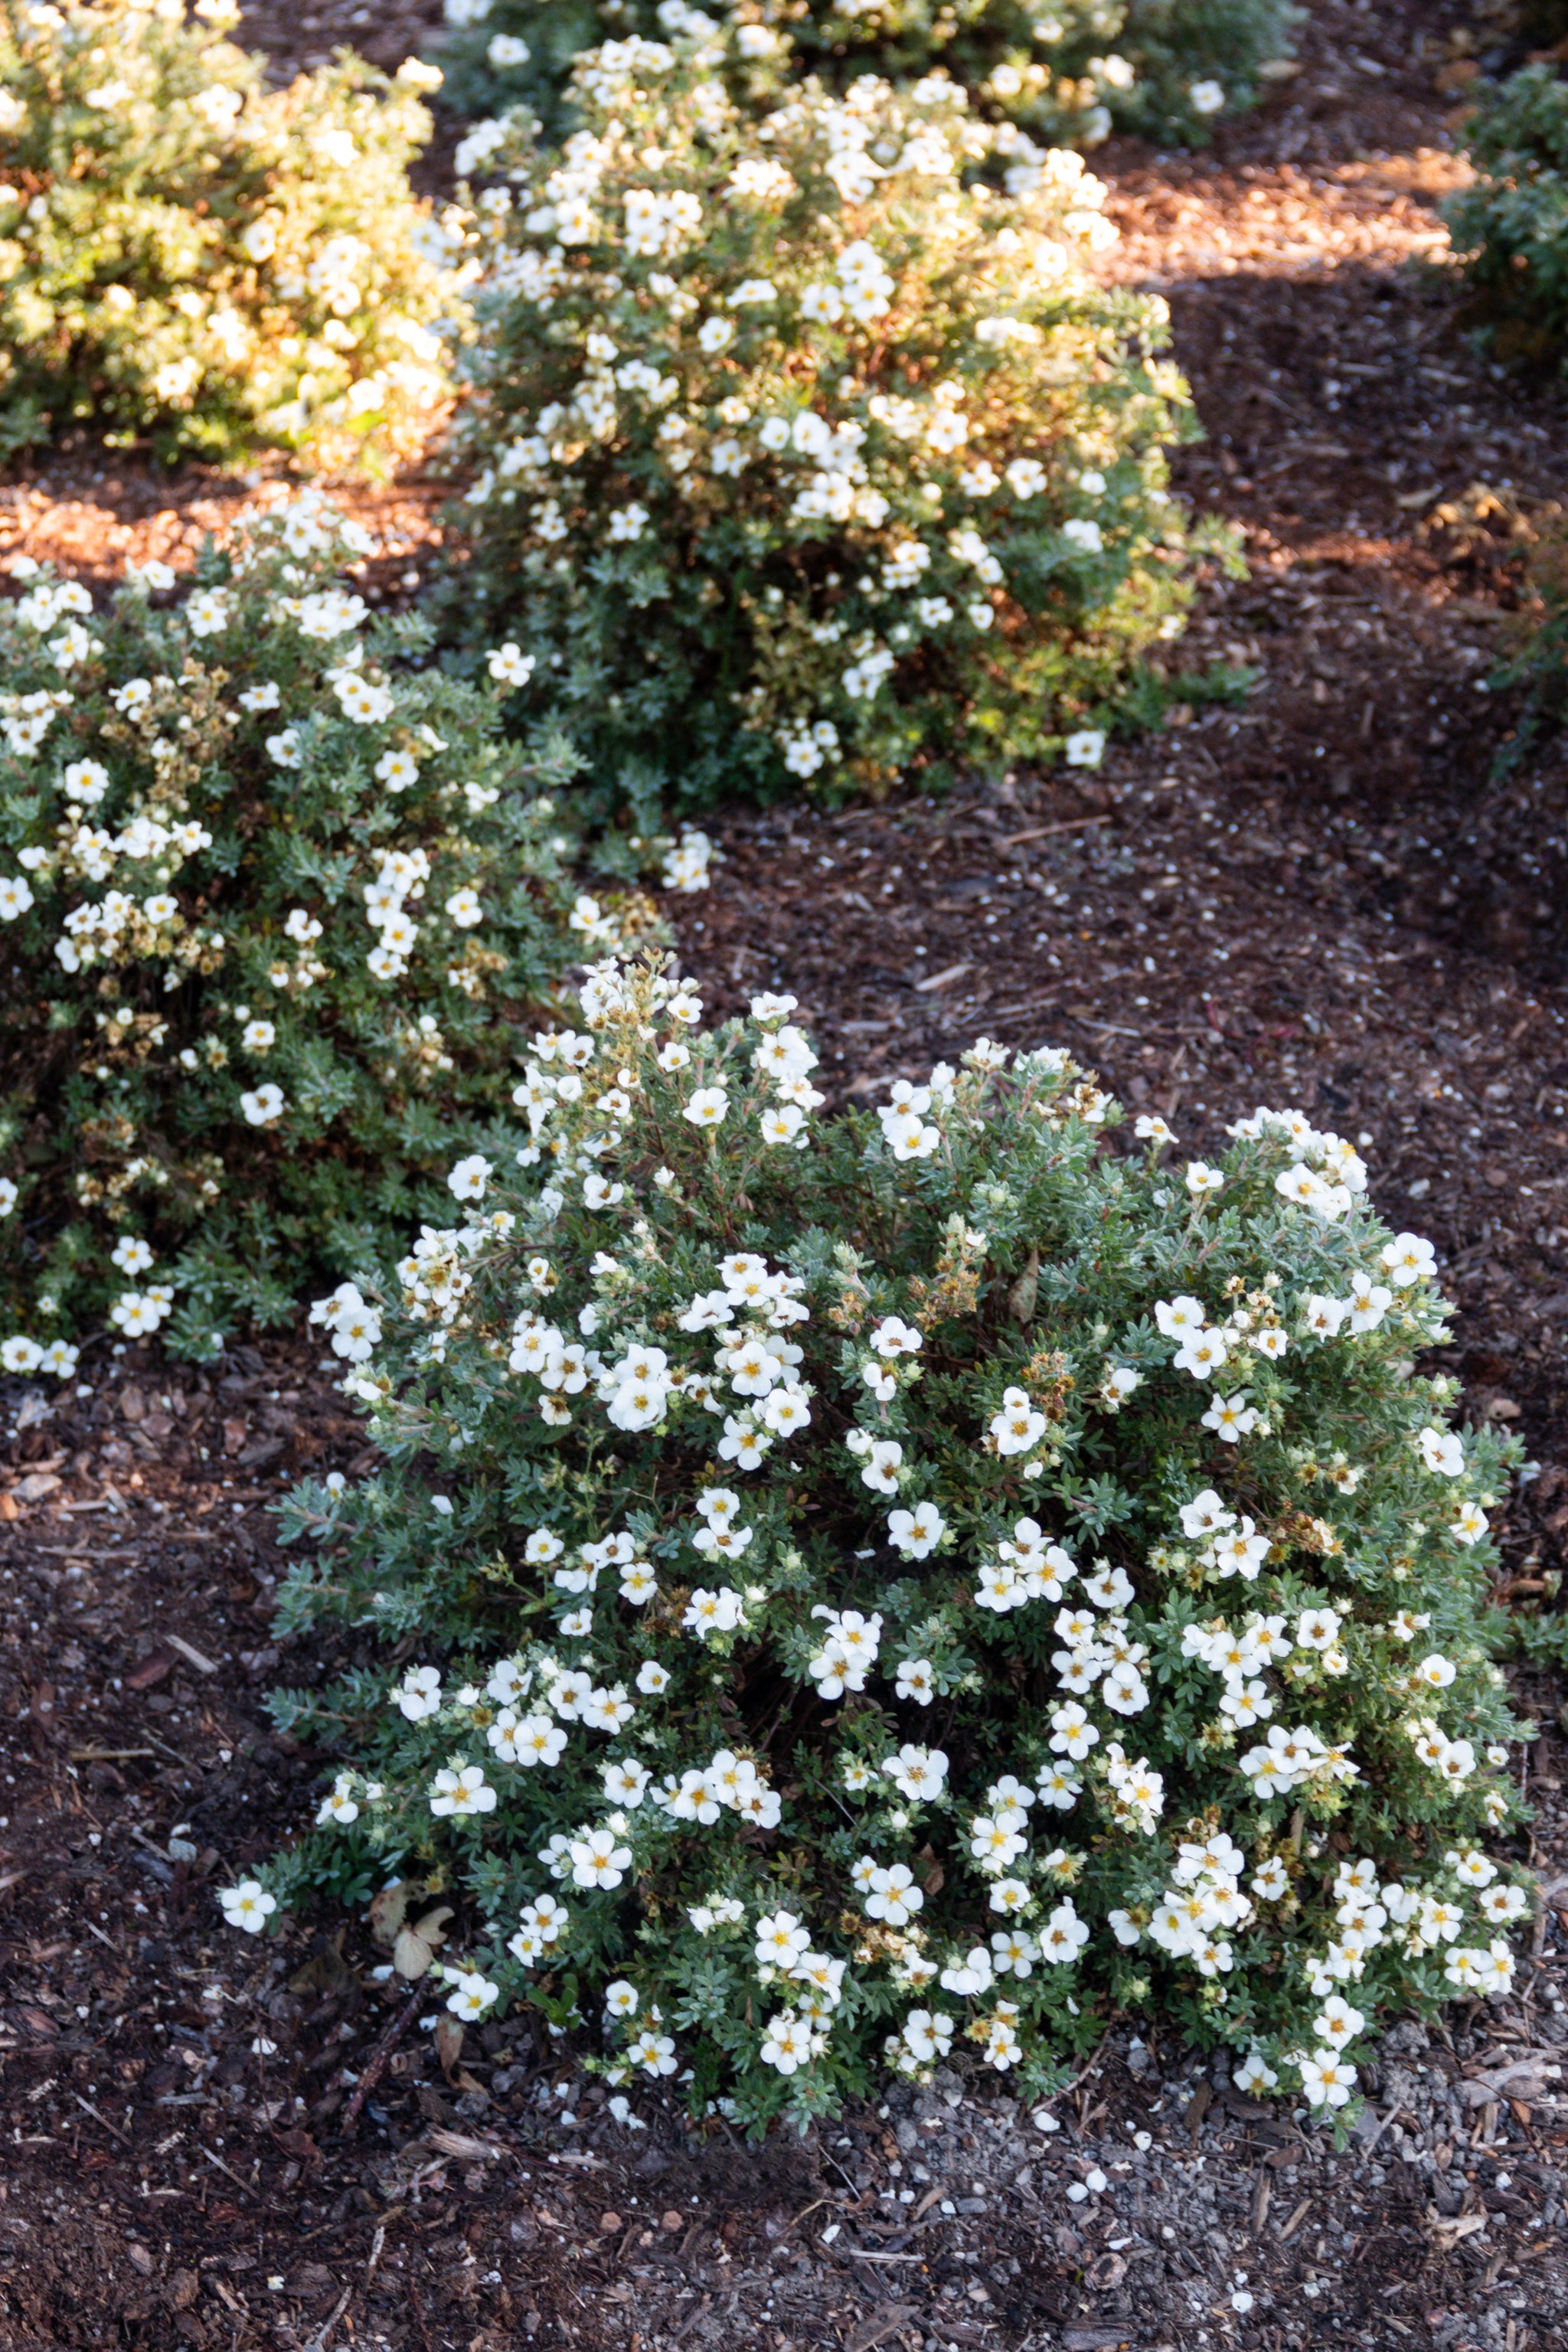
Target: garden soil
[1326,896]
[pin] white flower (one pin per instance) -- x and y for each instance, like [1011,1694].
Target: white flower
[1442,1452]
[1326,2079]
[1470,1524]
[1202,1353]
[781,1940]
[893,1897]
[786,2042]
[1086,748]
[654,2052]
[1231,1417]
[1409,1259]
[598,1859]
[1206,97]
[471,1994]
[247,1905]
[1064,1936]
[468,1179]
[459,1795]
[706,1106]
[919,1773]
[918,1532]
[1019,1426]
[263,1105]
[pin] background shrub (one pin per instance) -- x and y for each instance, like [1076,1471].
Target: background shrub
[1510,229]
[273,901]
[1068,71]
[911,1581]
[796,456]
[188,256]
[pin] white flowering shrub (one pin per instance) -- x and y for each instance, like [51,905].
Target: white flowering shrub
[796,456]
[272,898]
[859,1592]
[1068,69]
[189,256]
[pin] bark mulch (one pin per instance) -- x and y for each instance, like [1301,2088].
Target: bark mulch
[1322,898]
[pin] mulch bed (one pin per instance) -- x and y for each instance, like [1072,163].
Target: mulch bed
[1322,899]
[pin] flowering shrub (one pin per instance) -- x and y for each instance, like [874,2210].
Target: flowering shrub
[867,1591]
[796,457]
[1070,69]
[187,255]
[272,894]
[1510,227]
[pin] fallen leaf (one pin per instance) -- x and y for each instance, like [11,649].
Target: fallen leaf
[323,1970]
[417,1945]
[388,1912]
[154,1668]
[449,2040]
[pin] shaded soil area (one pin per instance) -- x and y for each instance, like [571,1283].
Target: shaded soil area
[1322,898]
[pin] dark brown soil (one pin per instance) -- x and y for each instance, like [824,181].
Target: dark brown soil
[1320,898]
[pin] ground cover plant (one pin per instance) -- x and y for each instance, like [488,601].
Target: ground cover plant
[1510,227]
[273,896]
[855,1594]
[795,457]
[1068,71]
[189,257]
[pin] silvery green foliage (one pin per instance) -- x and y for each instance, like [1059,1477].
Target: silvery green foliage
[1510,226]
[908,1584]
[189,256]
[272,895]
[1068,71]
[796,453]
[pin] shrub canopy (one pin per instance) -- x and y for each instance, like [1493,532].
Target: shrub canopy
[1069,70]
[797,455]
[911,1583]
[187,256]
[1510,227]
[273,901]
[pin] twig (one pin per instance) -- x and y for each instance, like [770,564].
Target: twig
[692,2318]
[1039,831]
[1391,2117]
[375,2064]
[88,2108]
[330,2320]
[193,1658]
[229,2169]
